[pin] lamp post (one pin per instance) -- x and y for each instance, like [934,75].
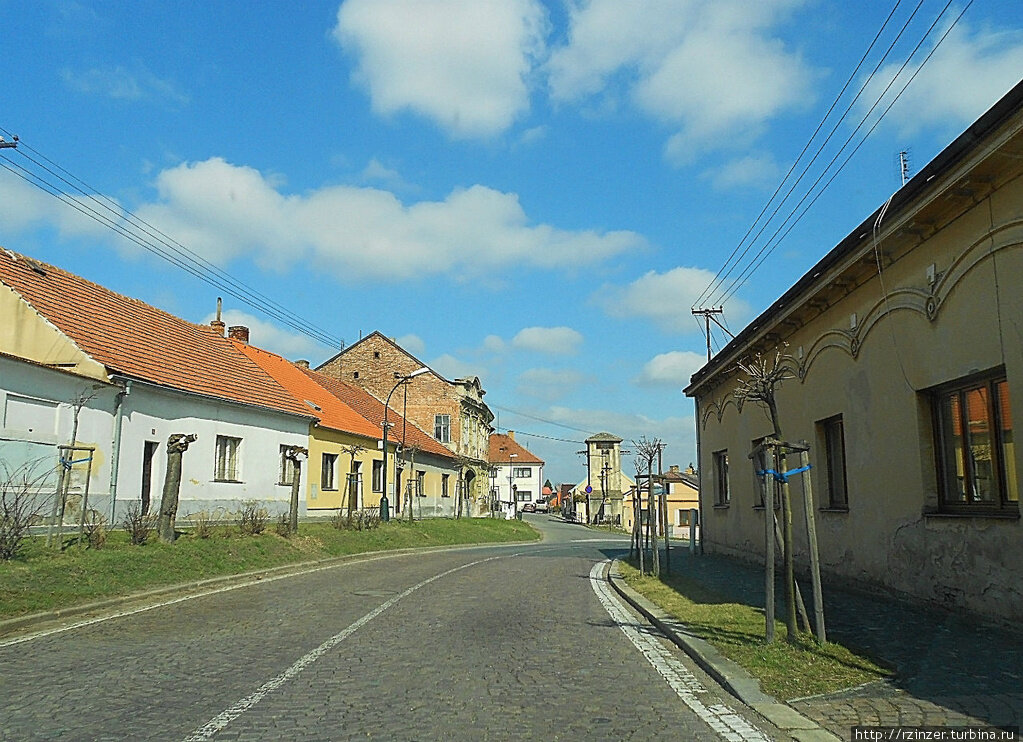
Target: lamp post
[511,487]
[385,513]
[494,499]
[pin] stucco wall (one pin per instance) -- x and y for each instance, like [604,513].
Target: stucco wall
[910,335]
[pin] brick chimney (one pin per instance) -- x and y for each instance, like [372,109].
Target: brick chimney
[673,469]
[511,434]
[238,332]
[302,363]
[217,324]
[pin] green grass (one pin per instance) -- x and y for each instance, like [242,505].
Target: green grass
[41,579]
[737,630]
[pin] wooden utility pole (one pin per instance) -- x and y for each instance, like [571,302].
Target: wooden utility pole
[815,561]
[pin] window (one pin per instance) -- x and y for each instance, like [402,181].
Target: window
[227,459]
[722,492]
[378,476]
[444,492]
[442,428]
[287,468]
[975,448]
[328,472]
[833,431]
[523,495]
[420,484]
[522,472]
[355,374]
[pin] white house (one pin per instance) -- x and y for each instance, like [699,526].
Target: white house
[516,475]
[147,375]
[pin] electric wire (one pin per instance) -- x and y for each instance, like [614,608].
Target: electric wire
[765,252]
[545,437]
[779,235]
[140,232]
[718,276]
[540,419]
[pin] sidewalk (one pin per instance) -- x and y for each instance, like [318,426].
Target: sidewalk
[951,669]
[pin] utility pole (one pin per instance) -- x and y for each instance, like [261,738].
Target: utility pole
[707,314]
[904,165]
[9,145]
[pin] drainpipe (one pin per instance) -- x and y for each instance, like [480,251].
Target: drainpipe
[699,473]
[115,447]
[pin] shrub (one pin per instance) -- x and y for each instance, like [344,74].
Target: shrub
[21,503]
[95,529]
[203,522]
[253,519]
[283,525]
[138,525]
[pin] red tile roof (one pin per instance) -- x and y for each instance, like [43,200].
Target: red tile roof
[503,446]
[137,340]
[372,409]
[332,411]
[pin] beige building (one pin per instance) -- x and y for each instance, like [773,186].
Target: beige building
[905,345]
[682,490]
[453,410]
[598,498]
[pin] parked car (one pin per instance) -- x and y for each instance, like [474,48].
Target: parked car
[541,506]
[529,508]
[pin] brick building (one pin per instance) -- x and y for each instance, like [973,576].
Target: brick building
[453,410]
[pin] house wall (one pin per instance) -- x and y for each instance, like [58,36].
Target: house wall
[533,484]
[326,440]
[910,335]
[432,503]
[153,414]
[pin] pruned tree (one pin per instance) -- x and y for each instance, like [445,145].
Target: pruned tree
[763,376]
[648,450]
[296,455]
[76,403]
[177,444]
[412,484]
[350,492]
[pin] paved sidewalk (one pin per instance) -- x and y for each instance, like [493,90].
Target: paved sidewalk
[951,669]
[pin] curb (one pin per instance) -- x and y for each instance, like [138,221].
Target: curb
[12,625]
[724,671]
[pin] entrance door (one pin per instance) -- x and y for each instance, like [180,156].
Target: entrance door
[148,454]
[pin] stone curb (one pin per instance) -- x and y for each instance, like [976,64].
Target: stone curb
[11,625]
[727,673]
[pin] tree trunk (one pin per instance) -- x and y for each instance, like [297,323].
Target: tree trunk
[293,511]
[177,444]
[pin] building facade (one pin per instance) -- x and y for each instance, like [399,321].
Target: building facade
[516,475]
[598,498]
[905,361]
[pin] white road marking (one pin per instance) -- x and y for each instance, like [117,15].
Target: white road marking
[719,717]
[221,720]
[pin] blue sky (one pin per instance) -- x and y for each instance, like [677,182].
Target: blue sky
[532,192]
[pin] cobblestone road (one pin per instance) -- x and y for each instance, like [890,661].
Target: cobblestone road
[495,643]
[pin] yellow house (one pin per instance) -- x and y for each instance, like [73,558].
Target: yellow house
[683,496]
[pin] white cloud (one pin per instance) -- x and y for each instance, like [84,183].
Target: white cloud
[270,337]
[412,343]
[494,344]
[120,83]
[462,63]
[222,211]
[548,384]
[672,369]
[550,340]
[714,70]
[27,207]
[453,368]
[752,171]
[965,76]
[664,298]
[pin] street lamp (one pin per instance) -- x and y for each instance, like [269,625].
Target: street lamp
[385,514]
[494,499]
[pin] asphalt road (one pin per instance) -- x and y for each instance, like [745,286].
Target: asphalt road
[488,643]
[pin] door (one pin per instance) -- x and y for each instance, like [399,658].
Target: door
[148,454]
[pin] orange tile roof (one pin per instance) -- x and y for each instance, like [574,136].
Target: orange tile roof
[137,340]
[372,409]
[503,446]
[331,410]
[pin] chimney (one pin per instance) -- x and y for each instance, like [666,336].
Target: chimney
[302,363]
[673,469]
[511,434]
[217,324]
[239,333]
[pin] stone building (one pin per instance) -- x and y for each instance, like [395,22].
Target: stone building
[601,493]
[906,358]
[453,410]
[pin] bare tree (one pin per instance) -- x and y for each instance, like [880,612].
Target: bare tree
[177,444]
[763,377]
[352,451]
[22,500]
[648,450]
[296,455]
[64,480]
[412,485]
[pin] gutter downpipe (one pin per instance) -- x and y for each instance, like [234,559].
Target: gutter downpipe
[115,447]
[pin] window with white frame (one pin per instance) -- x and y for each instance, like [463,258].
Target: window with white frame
[442,428]
[420,484]
[975,447]
[227,464]
[522,472]
[444,492]
[523,495]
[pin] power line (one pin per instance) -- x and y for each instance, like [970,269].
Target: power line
[133,228]
[543,420]
[537,435]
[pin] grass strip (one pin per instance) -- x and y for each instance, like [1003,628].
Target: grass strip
[785,670]
[42,579]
